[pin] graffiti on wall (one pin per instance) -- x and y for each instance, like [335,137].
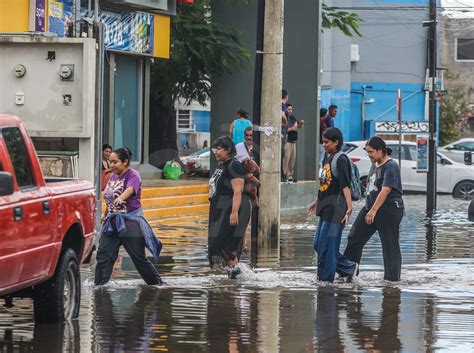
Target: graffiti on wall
[407,127]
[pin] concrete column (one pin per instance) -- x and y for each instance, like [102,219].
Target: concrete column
[270,144]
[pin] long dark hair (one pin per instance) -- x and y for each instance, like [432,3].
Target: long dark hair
[226,143]
[124,154]
[334,134]
[378,144]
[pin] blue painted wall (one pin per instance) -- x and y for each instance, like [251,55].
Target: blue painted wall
[202,120]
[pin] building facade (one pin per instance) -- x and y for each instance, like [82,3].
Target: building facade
[50,36]
[362,75]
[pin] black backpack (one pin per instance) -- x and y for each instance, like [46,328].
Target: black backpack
[356,187]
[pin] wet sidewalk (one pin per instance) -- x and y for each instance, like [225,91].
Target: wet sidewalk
[279,306]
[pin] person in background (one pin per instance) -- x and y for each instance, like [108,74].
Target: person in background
[106,168]
[229,211]
[383,211]
[284,129]
[290,145]
[124,224]
[333,206]
[238,126]
[323,112]
[332,111]
[245,156]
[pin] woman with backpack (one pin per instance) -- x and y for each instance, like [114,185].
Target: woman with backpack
[383,211]
[333,206]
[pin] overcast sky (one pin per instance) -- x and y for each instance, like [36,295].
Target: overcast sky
[460,3]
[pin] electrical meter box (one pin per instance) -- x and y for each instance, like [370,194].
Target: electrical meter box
[50,84]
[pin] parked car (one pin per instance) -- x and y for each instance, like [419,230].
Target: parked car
[456,150]
[47,229]
[453,177]
[199,161]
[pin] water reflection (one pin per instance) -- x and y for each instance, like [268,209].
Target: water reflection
[124,321]
[45,338]
[281,307]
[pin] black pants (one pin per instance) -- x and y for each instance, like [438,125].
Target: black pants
[387,223]
[134,243]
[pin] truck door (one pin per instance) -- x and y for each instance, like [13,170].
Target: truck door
[9,244]
[33,210]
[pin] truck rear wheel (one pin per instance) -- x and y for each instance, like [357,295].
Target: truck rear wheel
[59,298]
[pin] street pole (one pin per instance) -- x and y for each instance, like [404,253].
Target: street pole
[268,236]
[399,111]
[431,176]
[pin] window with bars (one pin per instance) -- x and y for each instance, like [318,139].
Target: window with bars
[184,119]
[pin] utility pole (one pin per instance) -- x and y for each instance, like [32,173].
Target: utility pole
[268,236]
[431,176]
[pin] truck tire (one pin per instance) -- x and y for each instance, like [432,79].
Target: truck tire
[464,190]
[58,299]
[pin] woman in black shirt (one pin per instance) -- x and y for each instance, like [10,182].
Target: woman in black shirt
[383,211]
[229,212]
[333,206]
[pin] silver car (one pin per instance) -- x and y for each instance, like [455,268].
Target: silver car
[456,150]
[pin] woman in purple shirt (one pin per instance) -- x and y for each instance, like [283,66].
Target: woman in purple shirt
[124,223]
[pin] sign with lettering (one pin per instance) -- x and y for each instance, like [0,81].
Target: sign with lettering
[40,15]
[407,127]
[422,144]
[128,31]
[60,17]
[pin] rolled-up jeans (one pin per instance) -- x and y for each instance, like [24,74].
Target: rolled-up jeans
[327,240]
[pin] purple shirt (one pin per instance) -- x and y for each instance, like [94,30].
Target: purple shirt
[117,185]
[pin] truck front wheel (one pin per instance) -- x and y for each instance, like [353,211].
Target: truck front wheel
[59,298]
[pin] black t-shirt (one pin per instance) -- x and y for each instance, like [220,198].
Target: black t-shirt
[388,175]
[292,135]
[220,182]
[331,205]
[284,127]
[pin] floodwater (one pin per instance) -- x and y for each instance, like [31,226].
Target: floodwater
[279,306]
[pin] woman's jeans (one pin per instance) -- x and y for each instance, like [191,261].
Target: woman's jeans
[387,223]
[326,243]
[134,243]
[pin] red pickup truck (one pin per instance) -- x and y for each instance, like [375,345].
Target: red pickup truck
[47,229]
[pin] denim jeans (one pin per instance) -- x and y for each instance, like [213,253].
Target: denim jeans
[327,240]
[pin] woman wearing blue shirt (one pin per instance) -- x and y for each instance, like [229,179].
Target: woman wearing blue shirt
[238,126]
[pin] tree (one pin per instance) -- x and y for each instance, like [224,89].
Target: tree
[345,21]
[201,49]
[454,108]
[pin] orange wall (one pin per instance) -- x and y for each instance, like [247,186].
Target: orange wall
[14,15]
[161,43]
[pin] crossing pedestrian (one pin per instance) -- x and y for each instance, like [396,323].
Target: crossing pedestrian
[333,206]
[229,212]
[383,211]
[124,223]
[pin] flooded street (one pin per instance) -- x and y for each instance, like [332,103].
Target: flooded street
[279,306]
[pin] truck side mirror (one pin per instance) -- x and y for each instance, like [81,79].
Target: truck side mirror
[468,158]
[6,184]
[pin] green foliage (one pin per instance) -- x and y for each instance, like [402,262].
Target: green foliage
[347,22]
[454,108]
[200,49]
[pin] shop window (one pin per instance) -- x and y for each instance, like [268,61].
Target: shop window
[184,119]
